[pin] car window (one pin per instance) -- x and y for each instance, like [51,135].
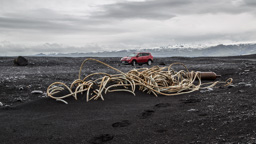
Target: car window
[132,55]
[140,54]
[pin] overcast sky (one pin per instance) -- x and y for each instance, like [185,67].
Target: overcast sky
[34,26]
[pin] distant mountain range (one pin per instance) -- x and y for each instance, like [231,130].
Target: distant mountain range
[219,50]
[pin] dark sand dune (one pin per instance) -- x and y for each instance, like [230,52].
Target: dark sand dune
[128,118]
[218,116]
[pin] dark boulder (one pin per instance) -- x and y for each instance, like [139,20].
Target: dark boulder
[20,61]
[162,63]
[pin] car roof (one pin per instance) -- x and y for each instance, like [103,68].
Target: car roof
[143,52]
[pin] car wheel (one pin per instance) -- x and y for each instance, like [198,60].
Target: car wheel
[140,64]
[149,62]
[133,63]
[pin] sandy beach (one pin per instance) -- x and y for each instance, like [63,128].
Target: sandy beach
[222,115]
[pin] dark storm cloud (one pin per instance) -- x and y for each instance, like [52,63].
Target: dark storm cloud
[41,19]
[140,10]
[250,2]
[144,10]
[46,20]
[166,9]
[22,23]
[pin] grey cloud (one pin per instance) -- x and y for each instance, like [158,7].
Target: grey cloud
[169,38]
[129,23]
[46,20]
[139,10]
[166,9]
[250,3]
[49,21]
[21,23]
[41,19]
[47,48]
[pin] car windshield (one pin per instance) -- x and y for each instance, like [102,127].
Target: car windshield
[132,55]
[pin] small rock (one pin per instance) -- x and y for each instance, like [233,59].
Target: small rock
[210,89]
[21,88]
[231,86]
[248,85]
[37,92]
[241,91]
[210,106]
[19,99]
[161,63]
[44,95]
[242,73]
[1,104]
[193,110]
[162,105]
[202,114]
[206,90]
[20,61]
[188,121]
[7,107]
[242,83]
[191,100]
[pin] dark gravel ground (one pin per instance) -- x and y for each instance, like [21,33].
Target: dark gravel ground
[224,115]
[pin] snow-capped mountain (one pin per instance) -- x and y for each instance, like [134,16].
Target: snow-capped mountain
[176,50]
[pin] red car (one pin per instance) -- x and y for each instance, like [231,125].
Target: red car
[138,58]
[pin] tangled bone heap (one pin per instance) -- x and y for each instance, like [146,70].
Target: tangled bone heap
[157,80]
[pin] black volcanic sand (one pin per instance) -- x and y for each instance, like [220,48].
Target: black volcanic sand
[224,115]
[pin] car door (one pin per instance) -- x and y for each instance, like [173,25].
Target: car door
[144,58]
[140,58]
